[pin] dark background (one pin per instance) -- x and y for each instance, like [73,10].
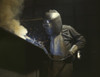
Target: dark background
[22,58]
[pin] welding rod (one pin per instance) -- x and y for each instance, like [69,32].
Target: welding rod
[36,19]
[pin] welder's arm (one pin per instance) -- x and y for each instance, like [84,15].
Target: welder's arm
[79,41]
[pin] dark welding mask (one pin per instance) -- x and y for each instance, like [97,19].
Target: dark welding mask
[52,23]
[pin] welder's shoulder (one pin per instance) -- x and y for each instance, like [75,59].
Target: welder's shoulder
[66,27]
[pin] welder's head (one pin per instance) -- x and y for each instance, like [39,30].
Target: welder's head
[52,22]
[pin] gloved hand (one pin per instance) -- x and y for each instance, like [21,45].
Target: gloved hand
[73,49]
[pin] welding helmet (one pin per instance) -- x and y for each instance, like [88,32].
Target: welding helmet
[52,23]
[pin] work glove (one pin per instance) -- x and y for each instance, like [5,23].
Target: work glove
[73,49]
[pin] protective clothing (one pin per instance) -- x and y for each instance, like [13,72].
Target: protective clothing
[53,23]
[62,39]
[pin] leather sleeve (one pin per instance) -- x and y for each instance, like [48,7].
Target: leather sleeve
[79,40]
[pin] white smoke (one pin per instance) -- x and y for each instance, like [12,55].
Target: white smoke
[9,17]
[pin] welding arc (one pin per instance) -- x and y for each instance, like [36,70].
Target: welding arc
[36,19]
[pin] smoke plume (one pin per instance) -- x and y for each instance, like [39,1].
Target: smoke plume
[9,16]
